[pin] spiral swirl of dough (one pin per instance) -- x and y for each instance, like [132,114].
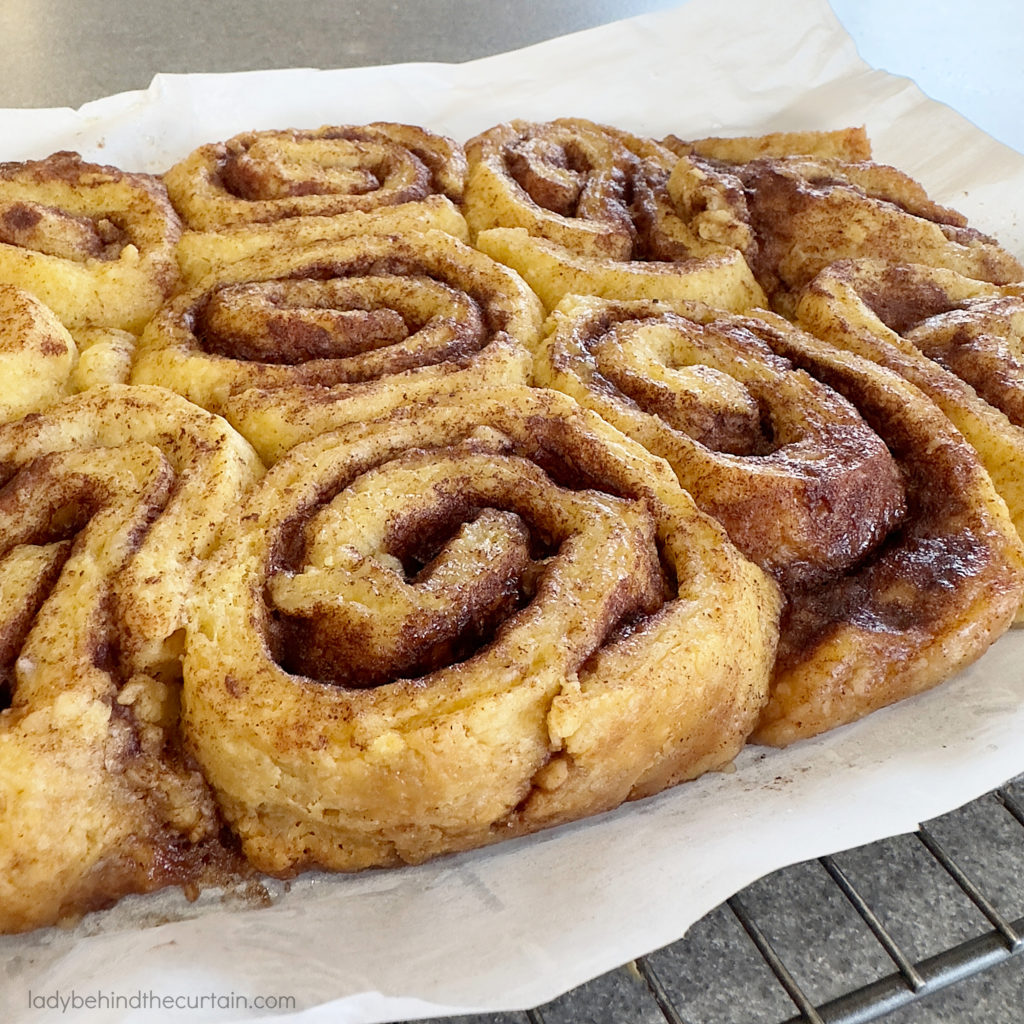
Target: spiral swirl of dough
[269,190]
[465,621]
[380,317]
[593,189]
[576,206]
[270,175]
[95,244]
[894,551]
[958,339]
[930,599]
[807,212]
[111,499]
[800,482]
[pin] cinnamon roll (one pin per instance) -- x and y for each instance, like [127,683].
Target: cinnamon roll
[593,189]
[465,621]
[808,211]
[576,206]
[267,190]
[111,499]
[381,318]
[95,244]
[956,338]
[710,196]
[895,553]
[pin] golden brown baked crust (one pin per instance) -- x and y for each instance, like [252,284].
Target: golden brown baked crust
[724,280]
[94,243]
[590,188]
[466,621]
[710,195]
[794,203]
[111,500]
[802,485]
[380,316]
[461,606]
[37,355]
[201,253]
[105,356]
[936,593]
[258,177]
[846,144]
[41,361]
[891,584]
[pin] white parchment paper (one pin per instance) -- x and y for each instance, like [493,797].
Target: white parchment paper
[516,925]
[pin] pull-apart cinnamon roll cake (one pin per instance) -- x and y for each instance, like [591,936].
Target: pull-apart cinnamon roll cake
[446,572]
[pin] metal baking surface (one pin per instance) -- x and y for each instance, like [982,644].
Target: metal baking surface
[918,929]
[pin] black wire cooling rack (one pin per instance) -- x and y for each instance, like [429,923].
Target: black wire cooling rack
[923,928]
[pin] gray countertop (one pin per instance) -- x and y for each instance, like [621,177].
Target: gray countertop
[66,52]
